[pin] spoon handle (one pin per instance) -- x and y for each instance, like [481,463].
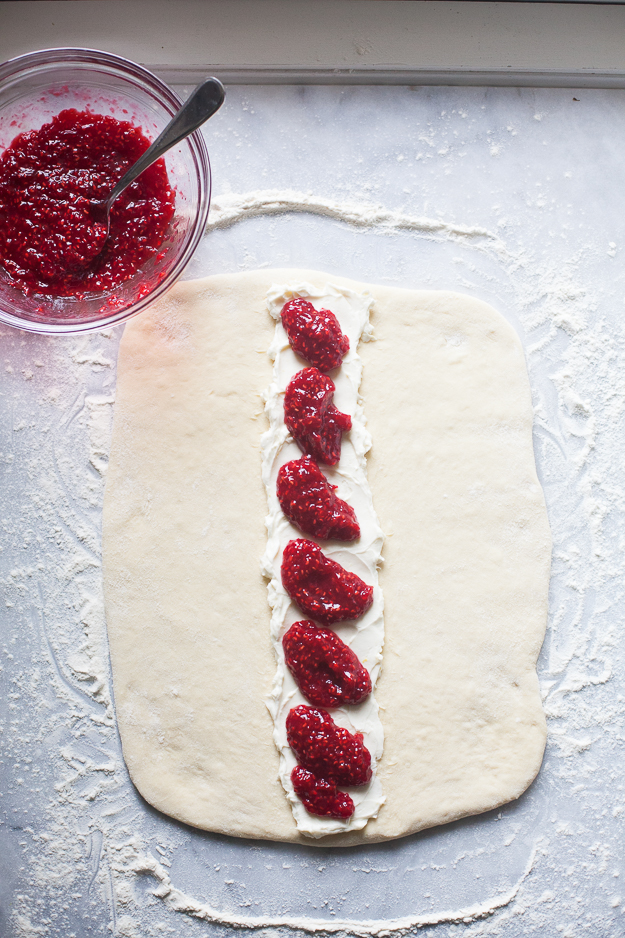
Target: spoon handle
[201,104]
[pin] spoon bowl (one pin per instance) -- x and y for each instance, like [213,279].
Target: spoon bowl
[34,89]
[201,104]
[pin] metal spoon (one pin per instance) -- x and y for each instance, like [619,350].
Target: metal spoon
[202,104]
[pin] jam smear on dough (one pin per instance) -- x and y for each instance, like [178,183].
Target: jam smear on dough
[326,670]
[311,504]
[321,587]
[312,419]
[319,796]
[329,751]
[50,244]
[314,334]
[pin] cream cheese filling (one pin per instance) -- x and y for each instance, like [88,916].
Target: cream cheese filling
[366,635]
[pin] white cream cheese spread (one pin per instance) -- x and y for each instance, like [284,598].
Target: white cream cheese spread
[366,635]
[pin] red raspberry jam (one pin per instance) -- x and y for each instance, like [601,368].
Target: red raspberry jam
[329,751]
[321,587]
[314,334]
[326,670]
[311,417]
[310,503]
[49,243]
[319,796]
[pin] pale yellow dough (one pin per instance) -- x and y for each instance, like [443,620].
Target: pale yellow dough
[465,577]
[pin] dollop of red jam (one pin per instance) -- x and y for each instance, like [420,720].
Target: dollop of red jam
[319,796]
[311,503]
[314,334]
[50,244]
[321,587]
[328,751]
[326,670]
[312,419]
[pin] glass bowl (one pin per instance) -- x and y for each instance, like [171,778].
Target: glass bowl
[36,87]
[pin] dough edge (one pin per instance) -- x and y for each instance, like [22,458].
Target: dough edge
[179,308]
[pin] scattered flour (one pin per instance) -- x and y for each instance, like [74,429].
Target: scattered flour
[89,865]
[230,208]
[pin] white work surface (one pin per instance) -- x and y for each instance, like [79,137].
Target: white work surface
[512,196]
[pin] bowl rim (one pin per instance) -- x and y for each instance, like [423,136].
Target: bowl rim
[65,55]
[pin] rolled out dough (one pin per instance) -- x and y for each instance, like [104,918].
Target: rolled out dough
[465,574]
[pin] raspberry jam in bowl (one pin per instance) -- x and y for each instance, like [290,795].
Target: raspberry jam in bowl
[71,122]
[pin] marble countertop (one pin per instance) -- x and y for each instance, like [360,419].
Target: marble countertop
[526,186]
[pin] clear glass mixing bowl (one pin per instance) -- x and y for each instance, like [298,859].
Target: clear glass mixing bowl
[36,87]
